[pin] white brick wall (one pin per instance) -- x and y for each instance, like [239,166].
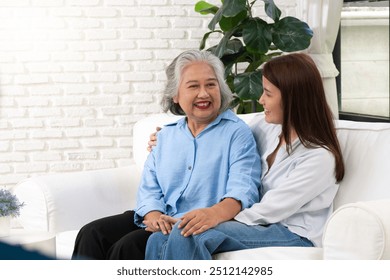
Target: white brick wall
[75,75]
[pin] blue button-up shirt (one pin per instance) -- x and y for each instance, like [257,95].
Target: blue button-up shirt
[184,172]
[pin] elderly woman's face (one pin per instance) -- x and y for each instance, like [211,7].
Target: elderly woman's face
[199,94]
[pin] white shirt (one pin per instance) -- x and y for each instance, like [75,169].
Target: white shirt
[298,190]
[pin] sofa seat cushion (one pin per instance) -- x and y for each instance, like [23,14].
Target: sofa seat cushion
[273,253]
[65,244]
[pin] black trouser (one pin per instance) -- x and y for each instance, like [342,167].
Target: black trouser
[111,238]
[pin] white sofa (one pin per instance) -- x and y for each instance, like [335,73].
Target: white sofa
[358,229]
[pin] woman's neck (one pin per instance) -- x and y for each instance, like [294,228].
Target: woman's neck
[196,127]
[293,136]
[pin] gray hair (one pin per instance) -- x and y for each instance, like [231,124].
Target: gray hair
[174,72]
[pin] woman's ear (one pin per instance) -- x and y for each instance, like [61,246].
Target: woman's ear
[175,99]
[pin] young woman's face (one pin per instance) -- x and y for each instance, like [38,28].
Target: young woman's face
[271,99]
[199,94]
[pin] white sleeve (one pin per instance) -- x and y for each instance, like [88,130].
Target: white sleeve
[308,177]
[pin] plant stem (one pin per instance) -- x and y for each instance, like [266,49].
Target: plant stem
[254,106]
[249,5]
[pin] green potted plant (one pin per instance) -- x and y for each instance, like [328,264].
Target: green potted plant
[249,41]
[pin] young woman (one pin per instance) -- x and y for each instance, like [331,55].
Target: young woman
[301,167]
[194,175]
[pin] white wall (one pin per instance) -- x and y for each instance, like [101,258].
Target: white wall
[365,60]
[76,74]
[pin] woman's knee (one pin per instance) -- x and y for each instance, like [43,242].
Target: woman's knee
[175,232]
[87,231]
[157,238]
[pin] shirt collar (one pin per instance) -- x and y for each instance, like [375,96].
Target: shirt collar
[226,115]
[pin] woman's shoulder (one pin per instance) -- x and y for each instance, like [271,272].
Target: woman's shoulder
[317,153]
[264,132]
[171,128]
[229,119]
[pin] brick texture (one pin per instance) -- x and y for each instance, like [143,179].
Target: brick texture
[75,75]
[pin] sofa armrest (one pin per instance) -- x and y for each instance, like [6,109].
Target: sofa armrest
[358,231]
[67,201]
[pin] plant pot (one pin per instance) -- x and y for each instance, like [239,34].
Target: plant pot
[5,226]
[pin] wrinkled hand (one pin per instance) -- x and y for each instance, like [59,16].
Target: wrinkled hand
[168,219]
[153,140]
[154,222]
[198,221]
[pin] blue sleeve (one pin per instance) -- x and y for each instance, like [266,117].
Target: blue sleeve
[149,196]
[245,168]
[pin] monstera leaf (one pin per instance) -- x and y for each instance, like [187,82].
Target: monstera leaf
[248,41]
[250,33]
[248,85]
[205,8]
[272,10]
[290,34]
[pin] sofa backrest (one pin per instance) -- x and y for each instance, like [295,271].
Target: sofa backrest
[365,147]
[366,151]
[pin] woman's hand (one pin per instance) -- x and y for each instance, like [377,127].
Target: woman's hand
[155,222]
[200,220]
[168,219]
[153,140]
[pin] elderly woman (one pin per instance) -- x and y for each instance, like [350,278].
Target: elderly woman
[302,165]
[205,170]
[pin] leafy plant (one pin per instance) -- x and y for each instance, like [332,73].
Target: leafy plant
[248,41]
[9,204]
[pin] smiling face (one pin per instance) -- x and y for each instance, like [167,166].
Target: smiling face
[271,99]
[199,94]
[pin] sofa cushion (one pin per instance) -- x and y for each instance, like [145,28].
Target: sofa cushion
[65,243]
[366,152]
[273,253]
[61,202]
[358,231]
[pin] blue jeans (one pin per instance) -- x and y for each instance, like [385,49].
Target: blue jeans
[227,236]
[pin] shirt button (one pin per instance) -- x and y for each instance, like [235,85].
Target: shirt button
[189,167]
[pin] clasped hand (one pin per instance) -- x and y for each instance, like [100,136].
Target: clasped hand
[192,223]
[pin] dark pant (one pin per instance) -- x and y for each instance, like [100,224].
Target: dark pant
[111,238]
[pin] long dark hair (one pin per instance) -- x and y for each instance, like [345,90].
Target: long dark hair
[304,104]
